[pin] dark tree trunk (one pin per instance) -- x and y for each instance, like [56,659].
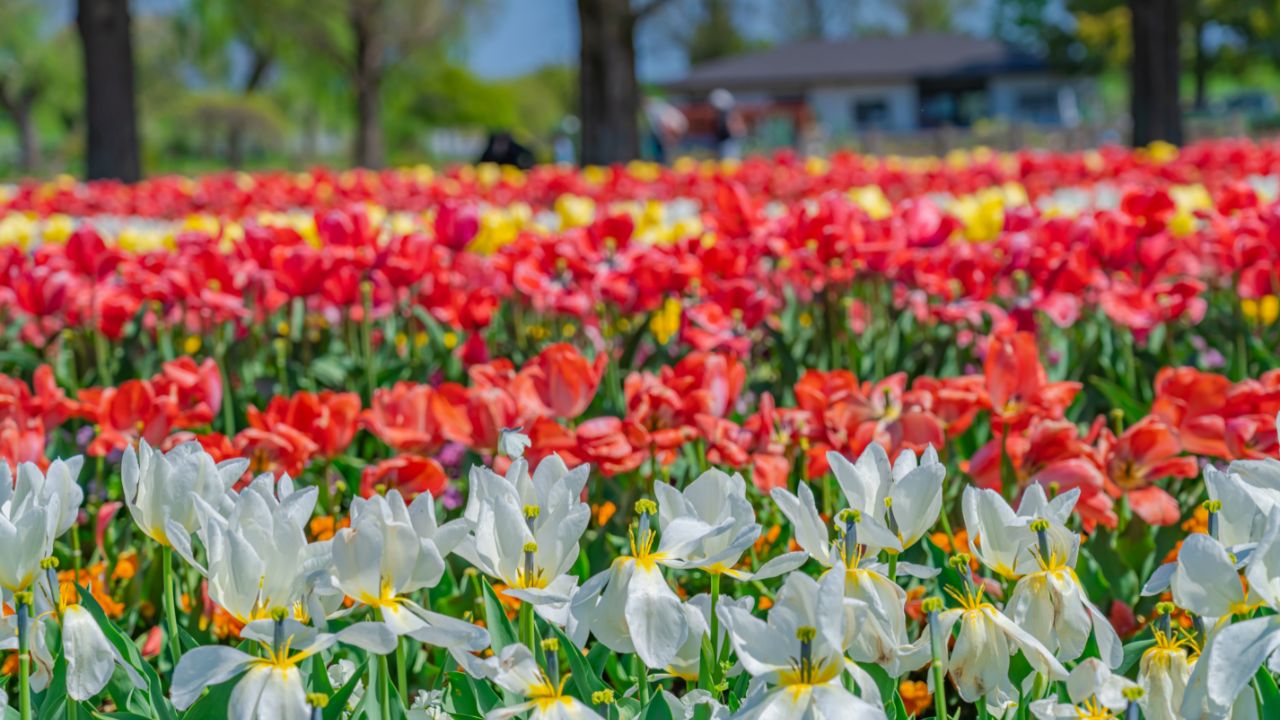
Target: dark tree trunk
[236,130]
[17,104]
[609,97]
[235,144]
[112,120]
[1157,114]
[368,79]
[28,145]
[1200,66]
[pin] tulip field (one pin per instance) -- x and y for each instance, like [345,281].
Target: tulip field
[987,435]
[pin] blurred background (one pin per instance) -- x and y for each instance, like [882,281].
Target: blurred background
[122,89]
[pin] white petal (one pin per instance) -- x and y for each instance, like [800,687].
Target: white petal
[205,667]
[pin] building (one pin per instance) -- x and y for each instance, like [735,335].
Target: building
[891,84]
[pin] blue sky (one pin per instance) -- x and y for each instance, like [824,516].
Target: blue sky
[517,36]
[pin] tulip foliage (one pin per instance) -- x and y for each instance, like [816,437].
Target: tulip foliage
[990,435]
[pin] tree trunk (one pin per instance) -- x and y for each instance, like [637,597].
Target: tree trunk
[367,77]
[236,130]
[112,120]
[28,145]
[235,144]
[1155,70]
[609,98]
[1200,65]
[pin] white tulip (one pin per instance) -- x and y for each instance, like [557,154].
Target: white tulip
[1219,684]
[1163,674]
[161,488]
[1094,692]
[29,521]
[382,557]
[91,659]
[859,536]
[271,687]
[526,532]
[710,524]
[553,489]
[41,657]
[697,613]
[877,604]
[987,639]
[513,443]
[1242,517]
[905,497]
[1003,540]
[59,481]
[256,549]
[796,657]
[1206,582]
[516,671]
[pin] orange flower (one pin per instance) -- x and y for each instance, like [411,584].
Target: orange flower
[1017,386]
[327,418]
[561,381]
[324,526]
[410,474]
[1144,453]
[419,418]
[915,695]
[603,512]
[126,566]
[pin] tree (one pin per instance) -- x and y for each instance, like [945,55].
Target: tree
[110,108]
[365,40]
[608,94]
[251,28]
[716,35]
[31,68]
[1154,71]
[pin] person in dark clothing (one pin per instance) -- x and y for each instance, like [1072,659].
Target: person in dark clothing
[504,150]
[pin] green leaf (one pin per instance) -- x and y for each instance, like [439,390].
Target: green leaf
[1120,398]
[53,703]
[584,677]
[1133,653]
[461,701]
[658,708]
[213,704]
[338,701]
[129,651]
[501,634]
[1268,693]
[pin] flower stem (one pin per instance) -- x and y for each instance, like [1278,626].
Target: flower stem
[715,619]
[938,644]
[642,679]
[24,655]
[892,570]
[384,687]
[170,603]
[527,629]
[402,669]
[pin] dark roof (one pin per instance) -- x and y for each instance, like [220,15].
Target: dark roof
[868,59]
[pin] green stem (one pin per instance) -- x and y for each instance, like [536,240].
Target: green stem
[893,567]
[715,631]
[384,687]
[402,669]
[24,656]
[642,679]
[527,627]
[939,669]
[170,603]
[366,338]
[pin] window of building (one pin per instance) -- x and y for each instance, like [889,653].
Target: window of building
[1038,106]
[871,114]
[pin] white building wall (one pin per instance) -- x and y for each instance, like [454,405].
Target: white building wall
[1010,95]
[833,107]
